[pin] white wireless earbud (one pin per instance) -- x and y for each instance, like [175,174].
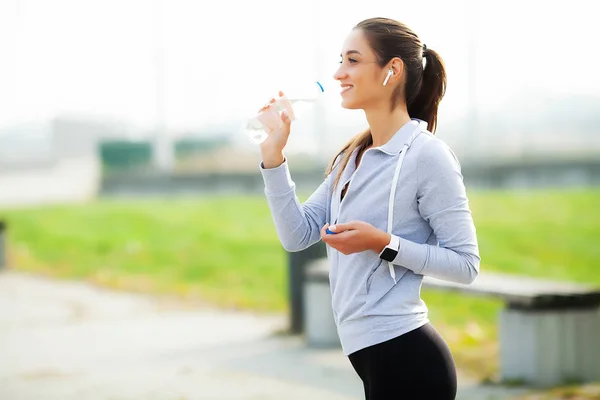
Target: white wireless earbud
[390,73]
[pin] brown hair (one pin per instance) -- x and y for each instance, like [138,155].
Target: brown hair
[424,86]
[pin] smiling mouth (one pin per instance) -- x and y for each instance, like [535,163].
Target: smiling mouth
[346,88]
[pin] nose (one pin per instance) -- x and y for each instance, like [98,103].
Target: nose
[340,73]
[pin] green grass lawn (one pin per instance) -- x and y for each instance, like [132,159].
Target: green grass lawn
[225,251]
[222,250]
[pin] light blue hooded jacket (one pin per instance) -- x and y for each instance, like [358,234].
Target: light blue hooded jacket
[431,216]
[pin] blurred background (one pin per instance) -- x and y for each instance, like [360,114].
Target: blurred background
[124,163]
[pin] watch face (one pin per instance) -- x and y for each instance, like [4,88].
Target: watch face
[388,254]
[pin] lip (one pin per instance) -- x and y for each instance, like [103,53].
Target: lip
[346,88]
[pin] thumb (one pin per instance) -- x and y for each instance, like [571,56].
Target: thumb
[342,227]
[285,118]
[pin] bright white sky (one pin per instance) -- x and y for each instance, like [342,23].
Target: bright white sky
[97,57]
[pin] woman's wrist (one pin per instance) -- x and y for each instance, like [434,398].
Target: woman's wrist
[272,158]
[382,240]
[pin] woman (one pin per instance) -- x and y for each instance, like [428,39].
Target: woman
[399,209]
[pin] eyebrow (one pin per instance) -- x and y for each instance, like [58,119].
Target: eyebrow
[352,52]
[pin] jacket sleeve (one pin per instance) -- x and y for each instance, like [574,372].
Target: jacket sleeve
[298,225]
[443,203]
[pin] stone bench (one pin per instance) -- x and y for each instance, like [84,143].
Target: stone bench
[549,332]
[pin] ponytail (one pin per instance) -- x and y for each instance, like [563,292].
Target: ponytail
[424,102]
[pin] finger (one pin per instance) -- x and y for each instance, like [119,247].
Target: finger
[342,227]
[285,118]
[324,231]
[335,240]
[269,119]
[286,105]
[267,106]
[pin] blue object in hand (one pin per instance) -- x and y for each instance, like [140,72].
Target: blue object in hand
[330,232]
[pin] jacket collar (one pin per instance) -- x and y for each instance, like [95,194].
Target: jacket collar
[400,138]
[391,147]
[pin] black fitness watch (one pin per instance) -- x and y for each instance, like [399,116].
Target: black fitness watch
[390,251]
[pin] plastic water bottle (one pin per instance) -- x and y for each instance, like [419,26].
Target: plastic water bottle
[295,103]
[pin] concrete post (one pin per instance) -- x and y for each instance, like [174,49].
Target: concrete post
[297,262]
[319,324]
[550,347]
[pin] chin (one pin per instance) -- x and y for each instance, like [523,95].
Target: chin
[349,104]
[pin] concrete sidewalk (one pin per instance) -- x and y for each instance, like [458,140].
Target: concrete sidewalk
[69,340]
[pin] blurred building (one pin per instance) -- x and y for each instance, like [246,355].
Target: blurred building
[52,161]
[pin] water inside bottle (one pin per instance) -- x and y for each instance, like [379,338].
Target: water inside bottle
[301,102]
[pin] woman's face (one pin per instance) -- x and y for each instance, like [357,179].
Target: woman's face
[359,74]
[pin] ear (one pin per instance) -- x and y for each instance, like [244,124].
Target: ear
[397,66]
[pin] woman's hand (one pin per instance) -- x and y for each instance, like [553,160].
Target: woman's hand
[277,126]
[354,237]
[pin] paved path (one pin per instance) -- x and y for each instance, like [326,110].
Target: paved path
[72,341]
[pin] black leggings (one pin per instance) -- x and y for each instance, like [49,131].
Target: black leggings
[416,365]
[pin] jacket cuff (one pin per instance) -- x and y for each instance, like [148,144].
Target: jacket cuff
[278,180]
[411,255]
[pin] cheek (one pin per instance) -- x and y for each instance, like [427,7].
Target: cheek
[368,87]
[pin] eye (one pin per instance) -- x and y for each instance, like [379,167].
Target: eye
[350,60]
